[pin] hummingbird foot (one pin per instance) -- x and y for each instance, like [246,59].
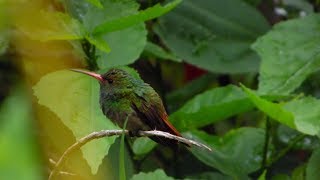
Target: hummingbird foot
[134,133]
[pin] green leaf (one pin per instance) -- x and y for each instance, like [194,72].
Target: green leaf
[74,98]
[51,26]
[286,134]
[204,34]
[237,153]
[158,174]
[177,98]
[263,175]
[287,57]
[99,42]
[253,2]
[209,175]
[122,169]
[19,156]
[299,173]
[157,51]
[143,145]
[113,158]
[300,114]
[281,177]
[211,106]
[275,111]
[312,171]
[299,4]
[96,3]
[126,44]
[306,114]
[138,17]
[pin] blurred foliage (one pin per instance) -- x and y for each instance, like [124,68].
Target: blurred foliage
[19,153]
[205,58]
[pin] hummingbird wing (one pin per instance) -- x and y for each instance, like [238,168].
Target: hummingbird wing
[149,107]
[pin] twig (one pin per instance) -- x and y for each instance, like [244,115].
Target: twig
[285,150]
[107,133]
[53,163]
[178,138]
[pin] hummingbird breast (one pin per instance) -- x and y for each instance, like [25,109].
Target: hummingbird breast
[119,110]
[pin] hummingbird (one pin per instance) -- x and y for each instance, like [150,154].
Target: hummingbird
[124,96]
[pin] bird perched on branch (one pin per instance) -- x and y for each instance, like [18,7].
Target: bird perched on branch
[124,96]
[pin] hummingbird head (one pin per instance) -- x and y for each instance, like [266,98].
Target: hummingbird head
[115,81]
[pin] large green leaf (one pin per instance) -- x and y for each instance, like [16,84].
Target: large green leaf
[209,176]
[237,153]
[138,17]
[157,51]
[74,97]
[287,56]
[125,44]
[211,106]
[19,157]
[275,111]
[300,114]
[158,174]
[213,34]
[143,145]
[312,171]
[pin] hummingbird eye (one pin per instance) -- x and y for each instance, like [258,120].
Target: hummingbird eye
[110,81]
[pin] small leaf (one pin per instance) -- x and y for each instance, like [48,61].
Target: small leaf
[312,171]
[287,57]
[143,145]
[204,34]
[299,172]
[74,98]
[306,114]
[157,51]
[138,17]
[275,111]
[236,154]
[263,175]
[211,106]
[99,42]
[158,174]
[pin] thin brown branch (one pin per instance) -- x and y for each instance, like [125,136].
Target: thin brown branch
[107,133]
[53,163]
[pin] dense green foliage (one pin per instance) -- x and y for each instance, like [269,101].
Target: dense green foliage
[257,104]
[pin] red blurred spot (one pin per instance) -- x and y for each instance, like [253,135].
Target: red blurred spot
[192,72]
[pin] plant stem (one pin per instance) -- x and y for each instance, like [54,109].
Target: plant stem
[122,169]
[286,149]
[266,143]
[90,51]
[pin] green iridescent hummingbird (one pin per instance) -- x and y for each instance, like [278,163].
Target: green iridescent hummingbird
[123,96]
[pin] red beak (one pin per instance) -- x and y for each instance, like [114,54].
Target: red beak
[92,74]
